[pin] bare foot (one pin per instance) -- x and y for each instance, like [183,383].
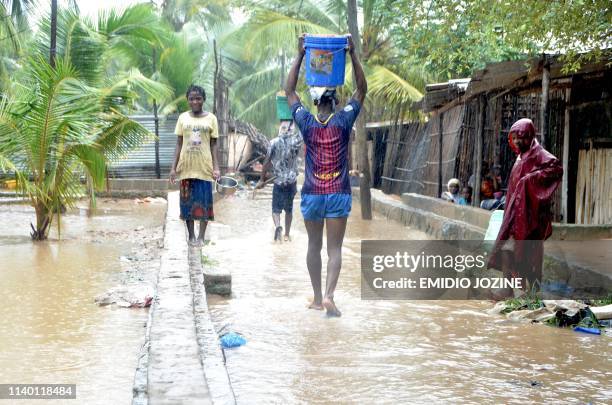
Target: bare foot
[199,242]
[331,308]
[315,305]
[192,242]
[287,238]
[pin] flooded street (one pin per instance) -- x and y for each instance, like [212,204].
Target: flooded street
[380,351]
[52,331]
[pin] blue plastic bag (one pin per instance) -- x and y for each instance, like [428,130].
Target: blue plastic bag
[232,339]
[592,331]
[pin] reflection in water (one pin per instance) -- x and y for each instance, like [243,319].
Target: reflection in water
[382,351]
[51,329]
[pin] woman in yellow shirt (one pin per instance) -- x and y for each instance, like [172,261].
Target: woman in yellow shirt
[196,163]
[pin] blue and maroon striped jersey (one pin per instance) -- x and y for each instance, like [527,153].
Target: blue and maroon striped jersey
[326,149]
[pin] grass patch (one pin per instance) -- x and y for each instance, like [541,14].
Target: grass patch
[524,302]
[207,261]
[602,302]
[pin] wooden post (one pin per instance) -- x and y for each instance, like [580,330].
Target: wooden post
[544,104]
[566,146]
[482,108]
[440,144]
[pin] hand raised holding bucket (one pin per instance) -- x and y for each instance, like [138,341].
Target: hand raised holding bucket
[325,59]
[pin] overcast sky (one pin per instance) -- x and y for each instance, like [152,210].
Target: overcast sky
[91,7]
[87,7]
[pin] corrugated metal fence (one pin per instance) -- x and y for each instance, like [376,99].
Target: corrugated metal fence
[140,163]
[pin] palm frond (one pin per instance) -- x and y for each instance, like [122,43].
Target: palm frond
[119,135]
[123,88]
[262,111]
[390,88]
[93,161]
[267,32]
[266,78]
[8,28]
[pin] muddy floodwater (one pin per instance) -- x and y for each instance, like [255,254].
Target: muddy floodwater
[51,331]
[417,352]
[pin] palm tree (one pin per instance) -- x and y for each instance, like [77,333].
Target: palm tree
[14,31]
[207,12]
[268,39]
[57,123]
[13,21]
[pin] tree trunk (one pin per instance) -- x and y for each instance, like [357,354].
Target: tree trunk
[544,112]
[53,33]
[43,222]
[156,119]
[362,145]
[221,109]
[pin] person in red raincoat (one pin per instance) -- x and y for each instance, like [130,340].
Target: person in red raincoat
[536,174]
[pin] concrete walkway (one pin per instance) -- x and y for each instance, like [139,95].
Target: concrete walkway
[182,362]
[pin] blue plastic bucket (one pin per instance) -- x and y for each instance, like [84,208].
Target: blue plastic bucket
[325,60]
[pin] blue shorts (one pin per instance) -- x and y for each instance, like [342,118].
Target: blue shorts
[316,207]
[282,198]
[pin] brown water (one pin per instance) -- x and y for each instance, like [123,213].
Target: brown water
[51,329]
[381,351]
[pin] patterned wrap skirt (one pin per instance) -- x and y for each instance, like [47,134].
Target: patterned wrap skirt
[196,200]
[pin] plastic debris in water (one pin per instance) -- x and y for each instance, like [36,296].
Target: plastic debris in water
[232,339]
[592,331]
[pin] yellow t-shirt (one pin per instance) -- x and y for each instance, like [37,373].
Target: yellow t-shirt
[195,161]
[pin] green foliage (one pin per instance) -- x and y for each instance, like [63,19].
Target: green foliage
[207,12]
[263,49]
[453,37]
[14,36]
[449,40]
[63,127]
[527,302]
[179,66]
[57,124]
[602,301]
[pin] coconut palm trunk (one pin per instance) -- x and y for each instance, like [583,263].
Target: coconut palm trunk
[43,222]
[362,145]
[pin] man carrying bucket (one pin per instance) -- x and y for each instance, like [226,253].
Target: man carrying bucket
[326,194]
[282,157]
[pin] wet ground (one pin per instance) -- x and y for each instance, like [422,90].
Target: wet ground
[51,329]
[380,351]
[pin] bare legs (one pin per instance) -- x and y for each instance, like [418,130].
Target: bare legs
[276,219]
[288,219]
[335,236]
[191,231]
[313,260]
